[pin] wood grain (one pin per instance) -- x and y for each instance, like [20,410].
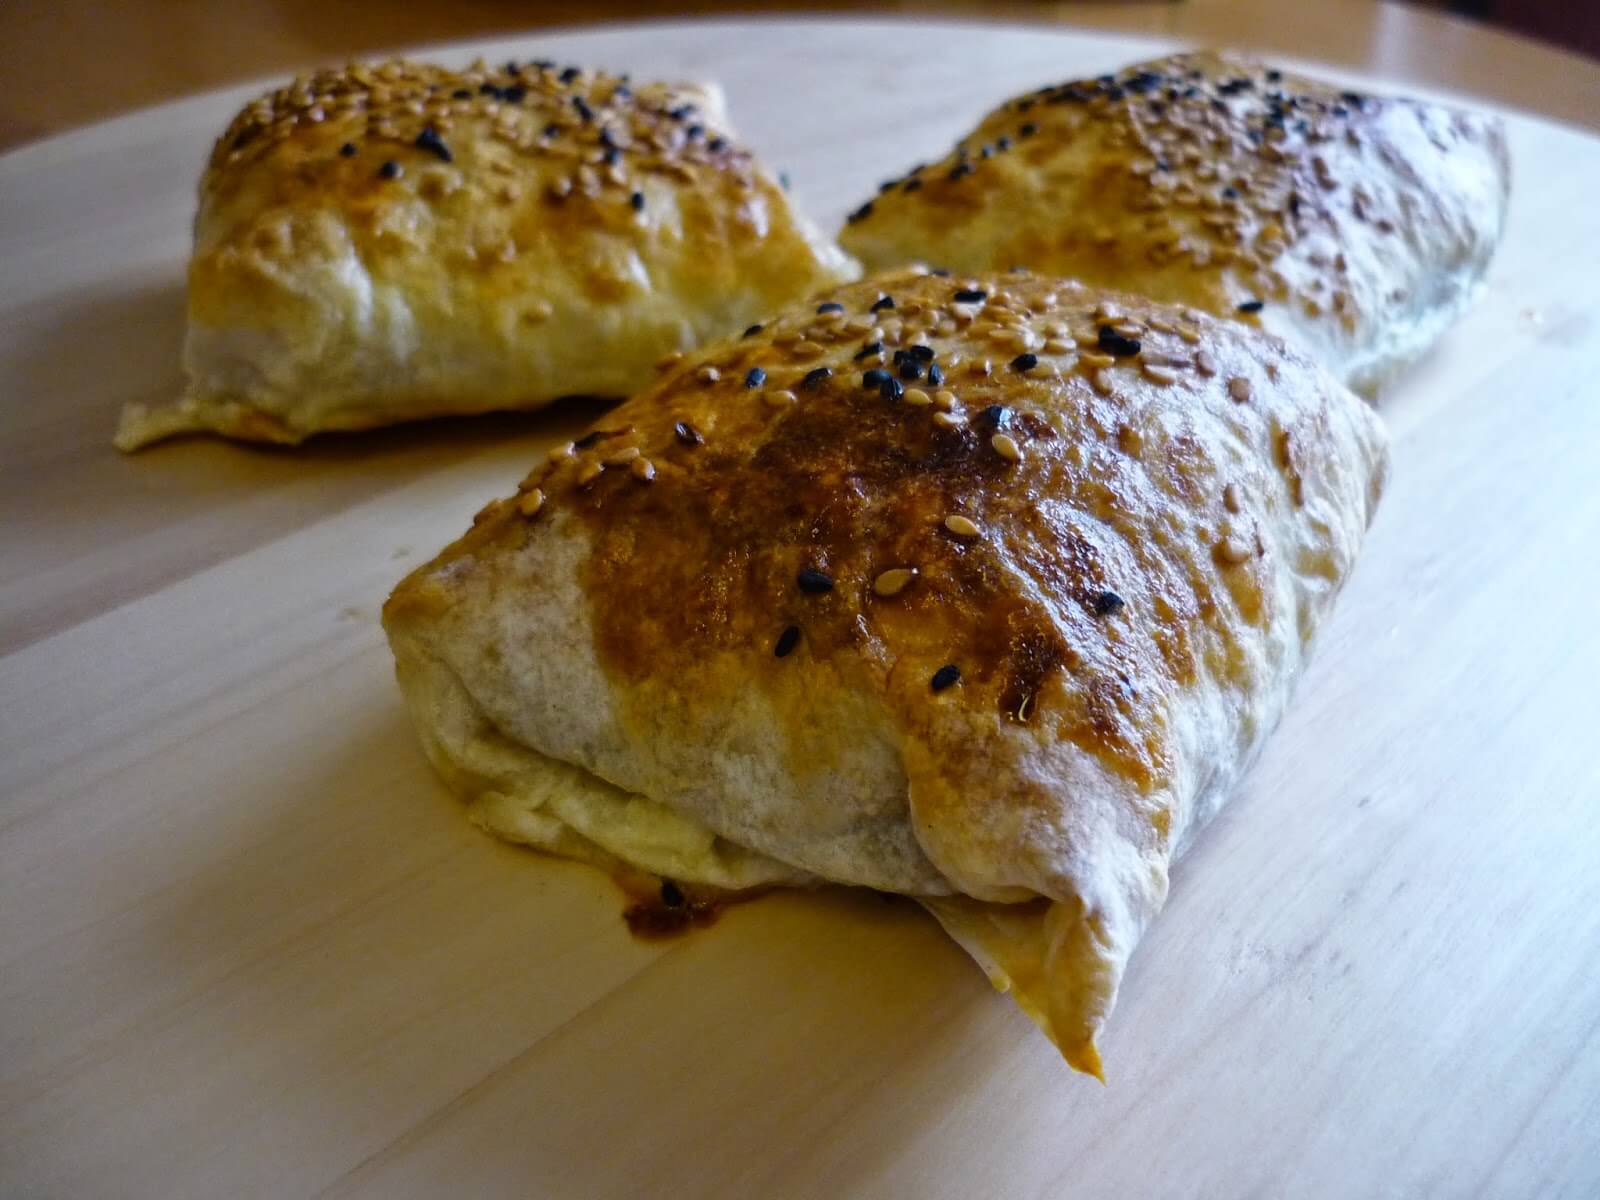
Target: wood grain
[249,947]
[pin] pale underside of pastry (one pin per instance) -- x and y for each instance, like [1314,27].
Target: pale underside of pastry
[1359,225]
[397,241]
[983,590]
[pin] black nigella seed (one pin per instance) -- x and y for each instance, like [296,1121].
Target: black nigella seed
[940,272]
[717,145]
[1230,193]
[862,213]
[1106,603]
[881,303]
[584,111]
[511,67]
[348,150]
[1115,344]
[754,377]
[945,676]
[488,89]
[752,331]
[783,180]
[1003,143]
[612,156]
[970,296]
[787,641]
[606,139]
[1028,129]
[912,185]
[1354,99]
[694,132]
[869,350]
[875,378]
[687,434]
[910,371]
[920,353]
[461,94]
[514,94]
[1274,76]
[680,112]
[637,201]
[813,582]
[830,306]
[389,170]
[569,74]
[960,169]
[935,374]
[1024,362]
[996,416]
[890,389]
[887,185]
[815,377]
[598,435]
[671,894]
[1252,306]
[430,140]
[551,129]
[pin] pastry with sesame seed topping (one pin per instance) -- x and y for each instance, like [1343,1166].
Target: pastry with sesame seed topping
[1361,230]
[399,240]
[1001,647]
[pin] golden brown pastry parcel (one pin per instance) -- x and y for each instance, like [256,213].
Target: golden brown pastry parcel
[389,242]
[983,590]
[1359,225]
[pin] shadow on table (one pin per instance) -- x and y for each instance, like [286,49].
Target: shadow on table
[414,1007]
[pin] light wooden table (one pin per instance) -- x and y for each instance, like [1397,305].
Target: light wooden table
[249,947]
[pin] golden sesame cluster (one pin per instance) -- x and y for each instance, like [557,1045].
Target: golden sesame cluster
[597,128]
[1218,163]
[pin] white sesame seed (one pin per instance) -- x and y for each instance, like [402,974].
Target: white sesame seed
[1096,361]
[1232,498]
[708,374]
[894,581]
[557,453]
[944,399]
[1159,374]
[589,472]
[779,398]
[1234,550]
[618,457]
[531,502]
[1103,381]
[1204,363]
[1005,447]
[946,420]
[643,470]
[1239,389]
[917,398]
[669,360]
[963,527]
